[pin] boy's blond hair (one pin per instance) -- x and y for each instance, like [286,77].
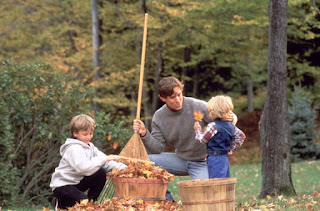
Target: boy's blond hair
[81,122]
[221,106]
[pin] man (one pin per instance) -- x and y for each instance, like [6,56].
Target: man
[173,124]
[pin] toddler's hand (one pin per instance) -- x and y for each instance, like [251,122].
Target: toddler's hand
[230,153]
[196,125]
[231,117]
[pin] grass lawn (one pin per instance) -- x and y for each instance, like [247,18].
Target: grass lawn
[305,177]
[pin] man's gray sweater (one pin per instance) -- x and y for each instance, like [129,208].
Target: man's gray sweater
[176,129]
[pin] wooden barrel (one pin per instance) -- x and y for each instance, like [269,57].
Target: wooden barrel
[149,190]
[208,194]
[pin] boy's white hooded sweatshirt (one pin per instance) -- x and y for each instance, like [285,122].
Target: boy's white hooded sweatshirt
[79,160]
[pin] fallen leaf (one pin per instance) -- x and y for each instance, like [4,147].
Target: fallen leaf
[280,197]
[84,202]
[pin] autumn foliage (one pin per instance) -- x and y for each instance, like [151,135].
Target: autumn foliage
[133,170]
[126,205]
[198,115]
[142,171]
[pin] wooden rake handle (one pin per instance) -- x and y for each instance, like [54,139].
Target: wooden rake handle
[135,160]
[143,54]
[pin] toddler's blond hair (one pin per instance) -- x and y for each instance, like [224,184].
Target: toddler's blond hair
[81,122]
[221,106]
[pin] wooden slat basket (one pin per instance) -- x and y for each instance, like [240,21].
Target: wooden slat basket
[149,190]
[208,194]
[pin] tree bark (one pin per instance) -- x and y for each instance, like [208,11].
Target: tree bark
[187,58]
[196,81]
[274,122]
[158,70]
[96,48]
[250,95]
[249,83]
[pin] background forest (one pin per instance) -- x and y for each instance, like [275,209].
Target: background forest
[48,73]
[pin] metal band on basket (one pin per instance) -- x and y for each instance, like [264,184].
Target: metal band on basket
[208,202]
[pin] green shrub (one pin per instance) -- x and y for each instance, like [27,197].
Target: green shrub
[303,126]
[8,174]
[109,132]
[40,106]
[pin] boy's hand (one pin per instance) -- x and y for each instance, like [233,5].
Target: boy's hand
[113,157]
[196,125]
[139,126]
[230,153]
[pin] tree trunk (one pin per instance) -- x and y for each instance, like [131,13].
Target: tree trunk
[274,131]
[250,95]
[146,105]
[96,48]
[249,82]
[196,82]
[143,6]
[187,58]
[159,67]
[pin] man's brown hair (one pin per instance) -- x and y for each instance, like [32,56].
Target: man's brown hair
[167,84]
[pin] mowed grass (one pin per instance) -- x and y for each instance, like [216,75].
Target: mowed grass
[305,178]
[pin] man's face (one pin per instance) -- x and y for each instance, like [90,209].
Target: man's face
[175,101]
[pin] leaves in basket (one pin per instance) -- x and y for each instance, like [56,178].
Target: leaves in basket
[142,171]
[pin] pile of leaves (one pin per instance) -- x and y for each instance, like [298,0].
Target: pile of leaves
[142,171]
[126,205]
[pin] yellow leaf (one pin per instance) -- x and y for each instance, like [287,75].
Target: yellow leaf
[50,135]
[198,115]
[84,202]
[148,173]
[292,200]
[268,197]
[109,137]
[156,205]
[262,207]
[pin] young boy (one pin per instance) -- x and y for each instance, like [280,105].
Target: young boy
[218,136]
[82,166]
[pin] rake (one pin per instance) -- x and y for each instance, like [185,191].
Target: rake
[134,150]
